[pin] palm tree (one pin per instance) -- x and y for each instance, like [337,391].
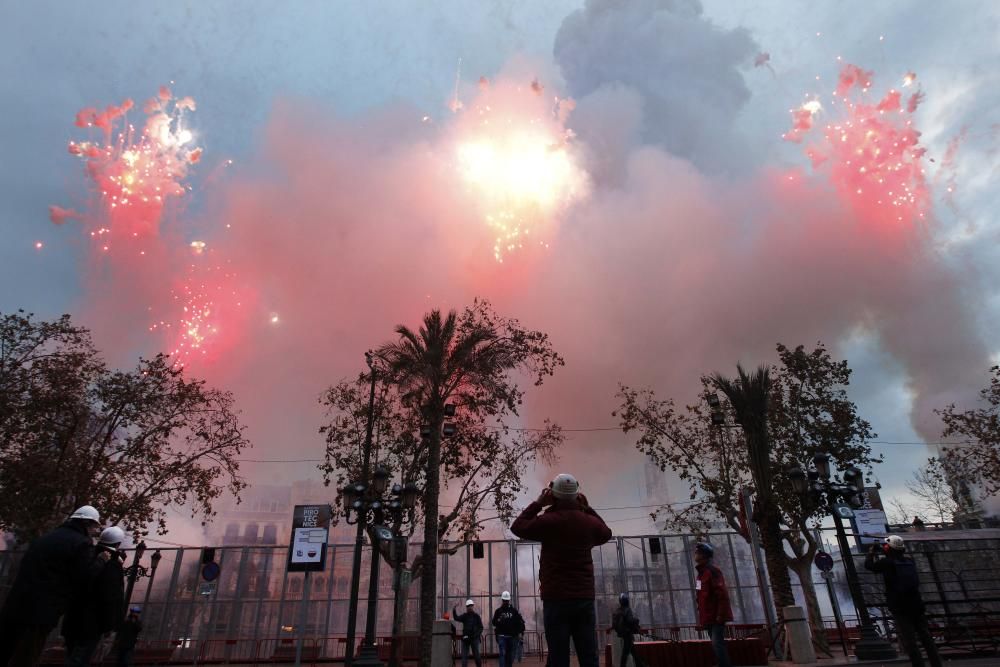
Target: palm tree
[748,395]
[463,360]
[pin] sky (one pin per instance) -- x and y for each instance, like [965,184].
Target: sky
[354,171]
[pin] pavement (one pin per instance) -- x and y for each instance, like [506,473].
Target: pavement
[956,660]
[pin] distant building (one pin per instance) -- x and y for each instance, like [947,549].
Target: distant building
[264,516]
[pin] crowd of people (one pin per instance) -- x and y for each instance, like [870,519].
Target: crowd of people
[67,576]
[568,528]
[74,574]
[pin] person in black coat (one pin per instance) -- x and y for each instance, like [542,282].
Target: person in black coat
[626,625]
[508,624]
[55,566]
[128,637]
[472,631]
[902,596]
[96,609]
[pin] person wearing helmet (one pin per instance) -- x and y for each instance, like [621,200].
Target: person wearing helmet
[95,611]
[568,530]
[55,566]
[127,637]
[472,632]
[714,608]
[508,625]
[902,597]
[626,625]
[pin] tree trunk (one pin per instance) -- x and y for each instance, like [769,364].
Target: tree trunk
[397,624]
[428,578]
[803,570]
[774,555]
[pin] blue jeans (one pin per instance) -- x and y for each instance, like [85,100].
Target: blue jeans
[471,646]
[565,619]
[718,634]
[506,646]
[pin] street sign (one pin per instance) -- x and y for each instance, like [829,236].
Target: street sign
[823,561]
[210,571]
[310,533]
[843,510]
[869,526]
[207,588]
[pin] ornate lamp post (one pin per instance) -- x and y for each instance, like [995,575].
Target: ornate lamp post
[369,505]
[136,571]
[819,488]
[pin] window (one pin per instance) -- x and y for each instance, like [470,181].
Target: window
[250,533]
[270,534]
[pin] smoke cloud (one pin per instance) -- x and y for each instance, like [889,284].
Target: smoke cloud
[652,269]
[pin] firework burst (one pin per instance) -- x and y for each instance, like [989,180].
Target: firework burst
[869,147]
[513,152]
[136,172]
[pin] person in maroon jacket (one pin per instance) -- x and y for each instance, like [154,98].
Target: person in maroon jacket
[714,610]
[568,530]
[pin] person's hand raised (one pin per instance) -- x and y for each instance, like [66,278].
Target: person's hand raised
[545,498]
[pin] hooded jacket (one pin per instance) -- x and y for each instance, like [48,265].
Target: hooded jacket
[507,621]
[55,567]
[566,566]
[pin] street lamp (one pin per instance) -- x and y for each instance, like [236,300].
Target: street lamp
[369,506]
[137,571]
[818,488]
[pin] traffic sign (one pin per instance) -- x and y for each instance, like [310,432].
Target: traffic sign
[210,571]
[823,561]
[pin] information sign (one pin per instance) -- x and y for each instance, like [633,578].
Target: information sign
[310,533]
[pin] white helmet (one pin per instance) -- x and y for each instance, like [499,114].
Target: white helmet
[565,486]
[505,595]
[469,603]
[896,542]
[112,536]
[86,512]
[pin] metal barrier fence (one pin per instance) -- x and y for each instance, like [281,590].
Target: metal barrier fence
[258,609]
[256,599]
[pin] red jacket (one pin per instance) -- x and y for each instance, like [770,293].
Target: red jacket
[713,596]
[566,570]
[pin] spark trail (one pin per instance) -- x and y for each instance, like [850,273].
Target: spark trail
[869,147]
[135,172]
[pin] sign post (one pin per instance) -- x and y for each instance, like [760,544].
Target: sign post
[870,522]
[307,553]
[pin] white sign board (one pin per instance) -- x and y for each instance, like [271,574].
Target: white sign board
[310,531]
[869,523]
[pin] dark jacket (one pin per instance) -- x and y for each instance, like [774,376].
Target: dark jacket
[624,622]
[507,621]
[713,597]
[97,609]
[55,566]
[902,585]
[128,633]
[566,567]
[472,623]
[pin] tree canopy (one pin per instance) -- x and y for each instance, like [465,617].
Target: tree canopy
[807,410]
[978,456]
[132,443]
